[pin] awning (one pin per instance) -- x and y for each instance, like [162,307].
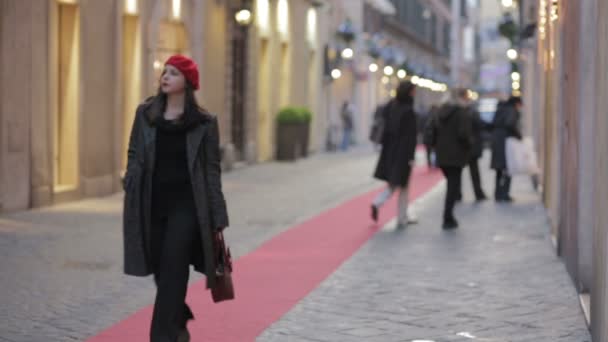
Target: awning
[383,6]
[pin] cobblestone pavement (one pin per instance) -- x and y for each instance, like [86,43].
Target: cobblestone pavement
[495,279]
[61,267]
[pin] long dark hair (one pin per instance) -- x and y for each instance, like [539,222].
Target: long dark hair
[193,112]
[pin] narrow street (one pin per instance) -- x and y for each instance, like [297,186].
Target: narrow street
[496,278]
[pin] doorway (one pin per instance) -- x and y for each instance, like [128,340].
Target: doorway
[131,61]
[239,89]
[265,122]
[66,119]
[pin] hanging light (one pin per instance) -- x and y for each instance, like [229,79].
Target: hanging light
[131,7]
[347,53]
[388,70]
[512,54]
[373,67]
[243,17]
[177,9]
[336,73]
[515,76]
[401,74]
[385,80]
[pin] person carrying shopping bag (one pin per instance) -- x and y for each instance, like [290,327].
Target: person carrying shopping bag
[174,209]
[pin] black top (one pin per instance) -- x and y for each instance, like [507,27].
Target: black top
[171,181]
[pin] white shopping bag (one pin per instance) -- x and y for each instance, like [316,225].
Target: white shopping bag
[521,157]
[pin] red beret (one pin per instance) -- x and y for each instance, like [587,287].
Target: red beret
[187,67]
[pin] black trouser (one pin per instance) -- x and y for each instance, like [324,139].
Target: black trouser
[173,238]
[476,178]
[503,185]
[453,176]
[429,153]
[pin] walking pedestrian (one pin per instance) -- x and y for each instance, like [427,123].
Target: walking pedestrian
[346,113]
[453,144]
[398,151]
[174,204]
[476,153]
[506,124]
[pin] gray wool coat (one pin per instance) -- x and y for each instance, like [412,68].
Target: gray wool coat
[205,176]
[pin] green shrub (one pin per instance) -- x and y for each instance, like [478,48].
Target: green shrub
[294,115]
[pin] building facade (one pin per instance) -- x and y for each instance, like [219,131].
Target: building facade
[79,68]
[74,71]
[565,82]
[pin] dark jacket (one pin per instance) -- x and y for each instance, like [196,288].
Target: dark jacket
[205,177]
[454,136]
[506,124]
[398,144]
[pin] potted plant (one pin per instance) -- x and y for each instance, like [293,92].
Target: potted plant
[305,119]
[293,125]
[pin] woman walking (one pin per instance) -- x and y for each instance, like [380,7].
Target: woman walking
[398,151]
[506,123]
[174,203]
[453,143]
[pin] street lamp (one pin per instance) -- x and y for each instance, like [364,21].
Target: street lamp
[401,74]
[243,17]
[347,53]
[515,76]
[388,70]
[512,54]
[373,67]
[243,14]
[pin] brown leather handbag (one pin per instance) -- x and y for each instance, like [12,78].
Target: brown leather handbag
[224,289]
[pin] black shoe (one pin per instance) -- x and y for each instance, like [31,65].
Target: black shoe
[374,213]
[450,224]
[481,198]
[507,199]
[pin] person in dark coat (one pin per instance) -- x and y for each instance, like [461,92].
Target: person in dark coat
[453,146]
[428,145]
[174,202]
[476,152]
[346,113]
[398,151]
[506,124]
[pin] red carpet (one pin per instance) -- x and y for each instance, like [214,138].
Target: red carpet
[272,279]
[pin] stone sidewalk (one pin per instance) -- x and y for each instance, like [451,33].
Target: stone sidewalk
[495,279]
[61,267]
